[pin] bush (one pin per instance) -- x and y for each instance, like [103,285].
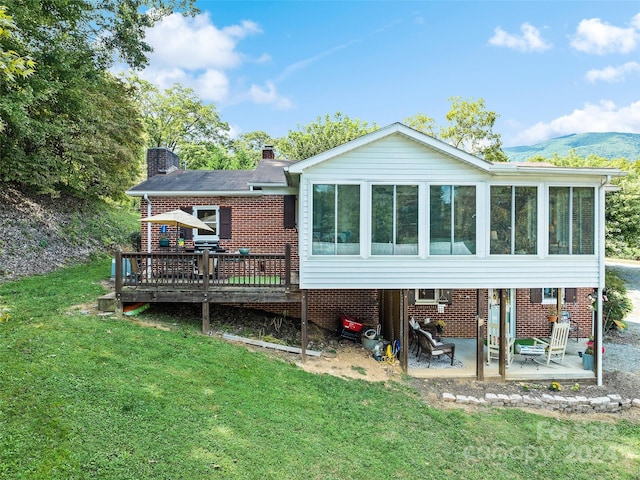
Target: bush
[618,303]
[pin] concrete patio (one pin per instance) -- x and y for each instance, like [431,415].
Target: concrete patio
[521,369]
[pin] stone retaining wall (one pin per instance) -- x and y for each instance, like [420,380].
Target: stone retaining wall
[573,404]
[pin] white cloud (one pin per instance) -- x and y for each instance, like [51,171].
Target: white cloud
[529,41]
[212,85]
[195,43]
[198,55]
[613,74]
[596,37]
[269,95]
[603,117]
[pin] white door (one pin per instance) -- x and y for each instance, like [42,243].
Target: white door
[494,309]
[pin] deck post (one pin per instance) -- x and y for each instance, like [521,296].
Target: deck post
[118,271]
[205,318]
[502,356]
[480,336]
[205,289]
[287,265]
[303,326]
[404,331]
[205,272]
[118,281]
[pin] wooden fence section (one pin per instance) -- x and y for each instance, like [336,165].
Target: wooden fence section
[182,271]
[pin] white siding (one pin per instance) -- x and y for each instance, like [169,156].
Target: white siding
[397,159]
[449,272]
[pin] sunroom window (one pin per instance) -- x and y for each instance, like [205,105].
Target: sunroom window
[571,220]
[336,219]
[514,225]
[452,220]
[394,220]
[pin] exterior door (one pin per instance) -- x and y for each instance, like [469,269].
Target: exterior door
[494,309]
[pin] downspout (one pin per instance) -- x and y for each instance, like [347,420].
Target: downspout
[146,199]
[601,283]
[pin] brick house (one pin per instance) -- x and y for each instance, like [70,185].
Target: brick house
[397,225]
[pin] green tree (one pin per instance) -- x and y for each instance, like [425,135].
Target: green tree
[321,135]
[470,128]
[422,123]
[55,120]
[177,116]
[248,147]
[12,64]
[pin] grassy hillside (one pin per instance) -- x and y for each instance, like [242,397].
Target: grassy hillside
[607,145]
[85,397]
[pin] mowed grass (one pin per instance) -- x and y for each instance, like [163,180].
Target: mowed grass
[84,396]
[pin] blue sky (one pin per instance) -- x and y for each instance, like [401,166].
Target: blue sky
[548,68]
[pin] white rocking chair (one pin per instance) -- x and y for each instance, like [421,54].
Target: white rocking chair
[493,344]
[557,344]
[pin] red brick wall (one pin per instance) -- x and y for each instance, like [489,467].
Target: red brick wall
[459,316]
[256,222]
[324,307]
[532,317]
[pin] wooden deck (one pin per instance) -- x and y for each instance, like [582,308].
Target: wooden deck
[205,278]
[187,277]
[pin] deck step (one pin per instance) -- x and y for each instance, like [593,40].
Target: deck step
[107,303]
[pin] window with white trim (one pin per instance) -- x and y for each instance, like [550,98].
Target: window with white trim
[452,220]
[571,220]
[427,296]
[550,295]
[211,216]
[394,220]
[336,219]
[514,220]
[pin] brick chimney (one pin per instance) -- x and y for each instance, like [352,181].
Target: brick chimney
[161,161]
[267,152]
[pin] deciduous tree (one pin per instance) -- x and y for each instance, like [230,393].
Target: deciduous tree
[53,138]
[177,116]
[323,134]
[469,128]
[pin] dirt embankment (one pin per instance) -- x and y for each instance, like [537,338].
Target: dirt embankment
[36,236]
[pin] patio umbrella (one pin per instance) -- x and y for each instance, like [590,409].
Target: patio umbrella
[178,218]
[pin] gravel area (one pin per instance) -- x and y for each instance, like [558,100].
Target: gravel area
[622,350]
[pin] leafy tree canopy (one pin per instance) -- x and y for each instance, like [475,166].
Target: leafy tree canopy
[60,134]
[11,63]
[323,134]
[470,128]
[177,116]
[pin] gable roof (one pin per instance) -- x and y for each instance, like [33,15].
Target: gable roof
[497,168]
[393,129]
[213,182]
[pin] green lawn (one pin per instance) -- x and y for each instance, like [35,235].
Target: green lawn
[84,396]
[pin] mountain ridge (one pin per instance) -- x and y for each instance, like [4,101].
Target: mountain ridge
[609,145]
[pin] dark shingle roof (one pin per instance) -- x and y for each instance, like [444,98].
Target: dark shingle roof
[209,181]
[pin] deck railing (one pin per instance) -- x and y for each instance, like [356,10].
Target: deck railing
[202,271]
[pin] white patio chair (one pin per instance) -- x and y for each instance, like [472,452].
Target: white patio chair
[557,344]
[493,344]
